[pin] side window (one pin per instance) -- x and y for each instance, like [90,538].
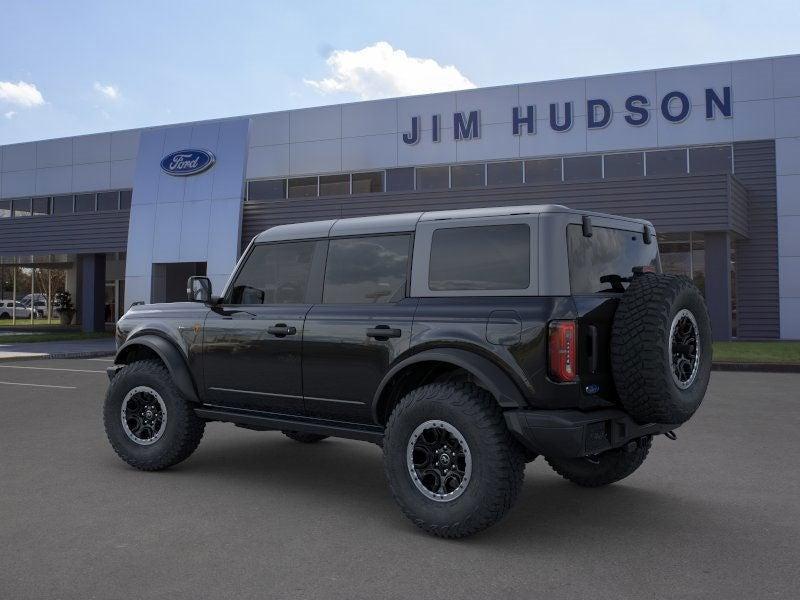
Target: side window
[274,274]
[367,270]
[491,257]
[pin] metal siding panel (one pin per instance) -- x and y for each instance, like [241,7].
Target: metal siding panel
[70,234]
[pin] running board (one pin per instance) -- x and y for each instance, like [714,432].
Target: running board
[266,420]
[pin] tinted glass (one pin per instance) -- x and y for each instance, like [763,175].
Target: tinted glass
[272,189]
[666,162]
[433,178]
[84,203]
[493,257]
[22,207]
[334,185]
[400,180]
[367,183]
[504,173]
[714,159]
[543,171]
[303,187]
[607,252]
[624,165]
[577,168]
[5,209]
[125,199]
[108,201]
[468,175]
[62,205]
[41,206]
[368,270]
[274,274]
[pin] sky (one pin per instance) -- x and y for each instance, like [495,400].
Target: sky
[71,68]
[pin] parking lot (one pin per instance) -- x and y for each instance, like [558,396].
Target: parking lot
[254,515]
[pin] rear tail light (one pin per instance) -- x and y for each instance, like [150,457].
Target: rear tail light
[561,349]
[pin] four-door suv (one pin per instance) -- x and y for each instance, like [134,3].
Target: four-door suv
[463,342]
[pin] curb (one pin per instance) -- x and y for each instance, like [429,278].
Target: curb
[756,367]
[55,355]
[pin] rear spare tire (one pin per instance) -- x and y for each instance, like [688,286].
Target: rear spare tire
[661,349]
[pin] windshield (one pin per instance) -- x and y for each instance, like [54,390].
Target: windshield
[610,255]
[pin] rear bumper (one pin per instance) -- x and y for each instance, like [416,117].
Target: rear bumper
[574,433]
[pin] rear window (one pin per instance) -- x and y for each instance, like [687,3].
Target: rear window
[607,252]
[491,257]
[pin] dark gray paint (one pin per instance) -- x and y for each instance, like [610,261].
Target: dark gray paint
[93,278]
[757,257]
[65,234]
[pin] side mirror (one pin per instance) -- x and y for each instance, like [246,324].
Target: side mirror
[198,289]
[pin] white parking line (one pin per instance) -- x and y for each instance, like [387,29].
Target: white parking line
[111,360]
[51,369]
[61,387]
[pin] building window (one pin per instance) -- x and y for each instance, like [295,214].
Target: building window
[468,175]
[303,187]
[366,270]
[579,168]
[433,178]
[107,201]
[22,207]
[367,183]
[712,159]
[629,164]
[84,203]
[666,162]
[400,180]
[684,254]
[504,173]
[62,205]
[41,206]
[5,209]
[270,189]
[125,197]
[547,170]
[334,185]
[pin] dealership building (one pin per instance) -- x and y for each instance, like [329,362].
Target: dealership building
[709,154]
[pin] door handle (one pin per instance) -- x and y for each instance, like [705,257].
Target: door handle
[281,330]
[383,333]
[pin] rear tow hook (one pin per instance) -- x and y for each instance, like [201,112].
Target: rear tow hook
[671,435]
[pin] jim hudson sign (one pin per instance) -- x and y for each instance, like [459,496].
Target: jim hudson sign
[674,106]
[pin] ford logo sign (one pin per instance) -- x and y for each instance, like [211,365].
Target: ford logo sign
[187,162]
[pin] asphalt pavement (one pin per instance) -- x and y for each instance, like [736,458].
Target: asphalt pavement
[715,514]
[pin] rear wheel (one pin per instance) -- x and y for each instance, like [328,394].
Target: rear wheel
[148,422]
[305,438]
[452,465]
[605,468]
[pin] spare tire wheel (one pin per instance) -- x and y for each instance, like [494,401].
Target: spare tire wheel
[661,348]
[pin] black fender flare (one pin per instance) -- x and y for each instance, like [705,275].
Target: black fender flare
[496,381]
[170,355]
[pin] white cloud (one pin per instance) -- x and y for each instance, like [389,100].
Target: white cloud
[109,91]
[20,93]
[380,71]
[10,114]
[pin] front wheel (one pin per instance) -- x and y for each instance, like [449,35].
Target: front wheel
[451,463]
[148,422]
[605,468]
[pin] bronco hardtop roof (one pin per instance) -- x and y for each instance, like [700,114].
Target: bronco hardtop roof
[406,222]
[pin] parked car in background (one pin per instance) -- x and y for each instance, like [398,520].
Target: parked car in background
[13,308]
[39,302]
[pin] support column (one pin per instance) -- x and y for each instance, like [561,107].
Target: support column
[93,281]
[718,283]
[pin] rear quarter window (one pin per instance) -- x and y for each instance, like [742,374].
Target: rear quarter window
[490,257]
[606,252]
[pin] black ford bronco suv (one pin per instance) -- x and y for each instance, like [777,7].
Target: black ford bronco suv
[463,342]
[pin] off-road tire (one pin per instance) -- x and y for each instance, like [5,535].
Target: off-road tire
[640,349]
[183,430]
[603,469]
[305,438]
[498,465]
